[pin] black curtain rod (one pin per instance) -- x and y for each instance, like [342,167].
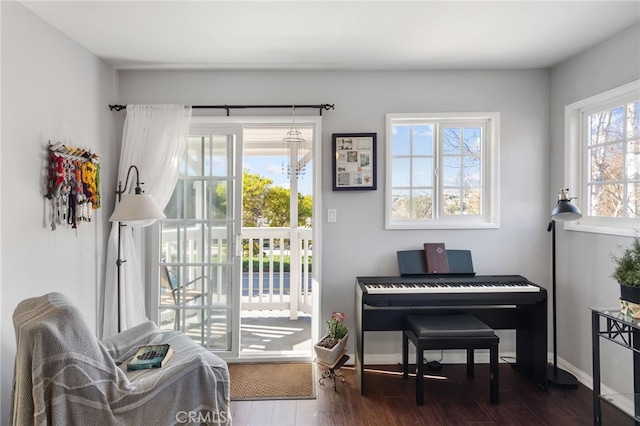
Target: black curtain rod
[319,107]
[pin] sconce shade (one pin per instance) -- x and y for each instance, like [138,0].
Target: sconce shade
[564,211]
[137,210]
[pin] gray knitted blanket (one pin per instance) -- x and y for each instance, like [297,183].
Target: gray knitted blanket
[64,375]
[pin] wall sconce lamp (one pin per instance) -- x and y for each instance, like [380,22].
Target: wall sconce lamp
[136,210]
[563,211]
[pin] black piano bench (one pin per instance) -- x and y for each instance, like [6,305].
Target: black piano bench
[449,331]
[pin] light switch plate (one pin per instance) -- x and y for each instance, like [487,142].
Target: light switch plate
[331,216]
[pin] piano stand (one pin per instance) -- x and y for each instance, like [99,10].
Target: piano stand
[333,371]
[510,308]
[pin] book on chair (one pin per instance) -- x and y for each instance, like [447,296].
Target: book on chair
[150,356]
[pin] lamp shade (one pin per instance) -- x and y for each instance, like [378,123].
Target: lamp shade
[137,210]
[564,211]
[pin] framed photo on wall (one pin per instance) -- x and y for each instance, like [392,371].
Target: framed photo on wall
[354,161]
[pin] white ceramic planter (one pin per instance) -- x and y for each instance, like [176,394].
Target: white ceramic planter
[330,356]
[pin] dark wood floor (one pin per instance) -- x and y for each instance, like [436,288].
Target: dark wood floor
[450,399]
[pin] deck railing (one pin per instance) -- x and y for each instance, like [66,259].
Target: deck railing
[276,272]
[267,282]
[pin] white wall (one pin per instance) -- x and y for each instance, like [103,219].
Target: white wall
[584,264]
[358,244]
[52,89]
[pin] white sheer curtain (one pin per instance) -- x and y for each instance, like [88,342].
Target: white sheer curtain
[154,139]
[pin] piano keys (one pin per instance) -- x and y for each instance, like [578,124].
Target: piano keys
[450,285]
[508,302]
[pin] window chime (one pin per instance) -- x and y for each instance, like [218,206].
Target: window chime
[292,147]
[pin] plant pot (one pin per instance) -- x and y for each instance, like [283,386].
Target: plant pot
[630,300]
[330,356]
[630,293]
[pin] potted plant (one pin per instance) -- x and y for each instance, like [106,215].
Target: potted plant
[332,346]
[627,273]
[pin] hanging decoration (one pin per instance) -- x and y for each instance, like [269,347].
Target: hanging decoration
[293,147]
[73,185]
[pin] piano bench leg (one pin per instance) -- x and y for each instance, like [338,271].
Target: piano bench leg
[405,356]
[419,375]
[494,379]
[470,364]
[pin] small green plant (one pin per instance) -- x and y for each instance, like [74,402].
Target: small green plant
[336,330]
[627,269]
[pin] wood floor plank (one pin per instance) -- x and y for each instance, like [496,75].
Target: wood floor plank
[240,412]
[284,412]
[260,413]
[450,399]
[307,413]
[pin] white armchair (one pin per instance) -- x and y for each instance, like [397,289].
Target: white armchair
[64,375]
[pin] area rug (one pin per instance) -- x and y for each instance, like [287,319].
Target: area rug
[272,381]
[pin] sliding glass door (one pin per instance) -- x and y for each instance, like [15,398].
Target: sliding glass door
[208,268]
[199,263]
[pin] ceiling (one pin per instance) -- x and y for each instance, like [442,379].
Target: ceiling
[337,35]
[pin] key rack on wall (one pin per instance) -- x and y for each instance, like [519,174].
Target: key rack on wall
[73,185]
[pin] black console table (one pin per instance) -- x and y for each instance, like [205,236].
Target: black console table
[623,330]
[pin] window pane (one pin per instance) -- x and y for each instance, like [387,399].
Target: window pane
[401,171]
[400,206]
[218,244]
[219,281]
[218,200]
[472,140]
[606,200]
[422,204]
[633,195]
[451,172]
[471,202]
[193,284]
[169,242]
[607,126]
[606,163]
[193,243]
[173,210]
[633,191]
[633,120]
[194,163]
[422,172]
[633,160]
[423,140]
[451,202]
[401,139]
[194,199]
[471,171]
[451,140]
[217,166]
[217,326]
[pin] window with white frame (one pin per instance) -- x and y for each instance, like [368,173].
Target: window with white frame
[603,160]
[442,171]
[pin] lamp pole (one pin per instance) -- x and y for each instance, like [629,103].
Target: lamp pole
[566,212]
[119,260]
[139,209]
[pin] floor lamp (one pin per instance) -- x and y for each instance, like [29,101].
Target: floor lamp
[136,210]
[564,211]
